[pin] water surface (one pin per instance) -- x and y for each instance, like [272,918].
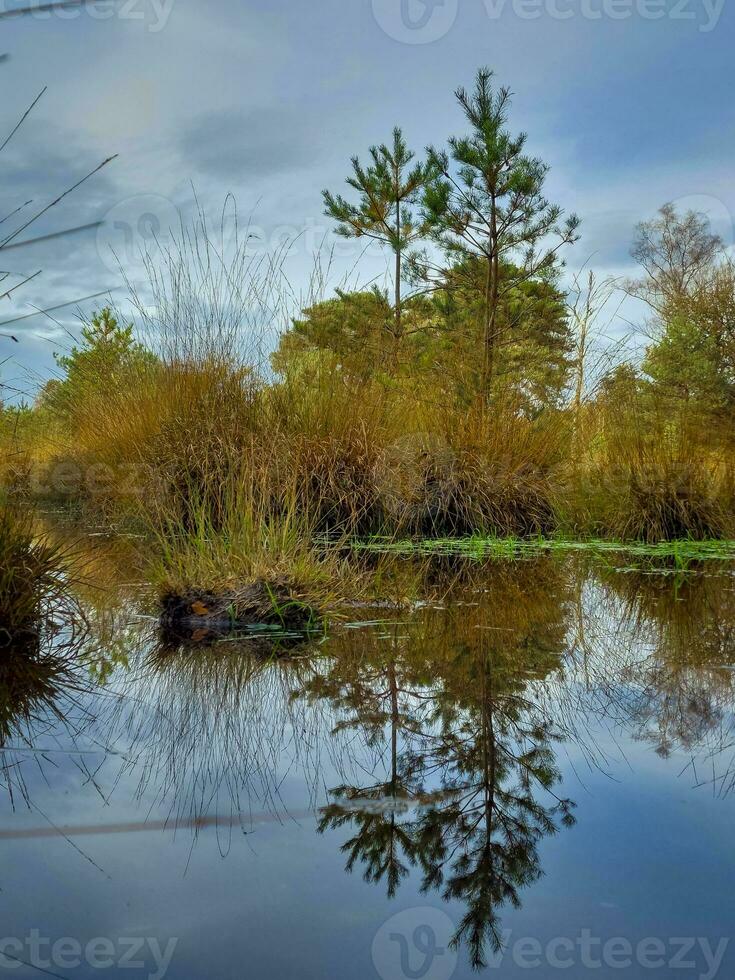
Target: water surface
[522,774]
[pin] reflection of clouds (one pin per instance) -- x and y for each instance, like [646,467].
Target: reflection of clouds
[222,732]
[653,657]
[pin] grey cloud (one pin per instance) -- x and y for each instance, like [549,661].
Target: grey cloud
[237,145]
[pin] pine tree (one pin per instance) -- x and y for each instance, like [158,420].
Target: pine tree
[488,202]
[107,349]
[532,362]
[389,188]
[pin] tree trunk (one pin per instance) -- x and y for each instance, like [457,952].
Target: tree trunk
[581,350]
[491,310]
[487,351]
[395,720]
[583,322]
[398,311]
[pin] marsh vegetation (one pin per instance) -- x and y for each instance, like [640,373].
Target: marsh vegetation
[479,400]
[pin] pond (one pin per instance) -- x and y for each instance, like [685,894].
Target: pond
[528,772]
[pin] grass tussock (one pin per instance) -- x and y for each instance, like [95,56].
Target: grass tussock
[651,477]
[486,475]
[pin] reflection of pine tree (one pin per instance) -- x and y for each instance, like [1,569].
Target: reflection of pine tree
[383,842]
[470,752]
[480,845]
[384,693]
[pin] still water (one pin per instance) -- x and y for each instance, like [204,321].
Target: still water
[528,773]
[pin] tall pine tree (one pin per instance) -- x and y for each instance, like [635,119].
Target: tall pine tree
[488,203]
[388,188]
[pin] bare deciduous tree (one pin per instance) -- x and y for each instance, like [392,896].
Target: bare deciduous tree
[674,251]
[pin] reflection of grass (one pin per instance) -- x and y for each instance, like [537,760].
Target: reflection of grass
[477,547]
[30,686]
[691,617]
[32,573]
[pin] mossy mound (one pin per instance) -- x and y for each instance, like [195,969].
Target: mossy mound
[260,603]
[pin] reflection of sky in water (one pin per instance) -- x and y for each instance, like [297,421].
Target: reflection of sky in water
[632,672]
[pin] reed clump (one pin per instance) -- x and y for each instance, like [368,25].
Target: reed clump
[476,473]
[329,444]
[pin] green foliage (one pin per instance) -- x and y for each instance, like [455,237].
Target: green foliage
[693,358]
[351,334]
[689,282]
[533,353]
[388,190]
[352,326]
[21,428]
[684,362]
[355,331]
[619,387]
[108,352]
[14,420]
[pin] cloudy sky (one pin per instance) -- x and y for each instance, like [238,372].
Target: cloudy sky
[629,101]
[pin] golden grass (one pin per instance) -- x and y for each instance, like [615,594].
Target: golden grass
[652,476]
